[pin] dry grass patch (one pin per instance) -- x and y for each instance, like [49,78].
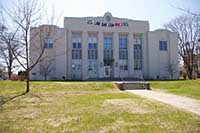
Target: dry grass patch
[28,113]
[117,126]
[55,122]
[87,107]
[128,105]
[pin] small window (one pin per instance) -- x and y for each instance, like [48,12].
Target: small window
[163,45]
[79,45]
[90,45]
[94,45]
[45,45]
[123,67]
[137,39]
[48,43]
[74,45]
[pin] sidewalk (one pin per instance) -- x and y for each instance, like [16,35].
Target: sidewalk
[187,104]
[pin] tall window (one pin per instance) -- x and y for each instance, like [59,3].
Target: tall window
[92,47]
[123,47]
[123,67]
[108,52]
[76,46]
[137,49]
[48,43]
[163,45]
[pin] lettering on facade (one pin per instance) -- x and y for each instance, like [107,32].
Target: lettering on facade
[107,24]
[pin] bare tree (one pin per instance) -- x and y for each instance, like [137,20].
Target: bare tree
[188,27]
[46,67]
[24,15]
[188,11]
[197,58]
[172,69]
[1,72]
[7,45]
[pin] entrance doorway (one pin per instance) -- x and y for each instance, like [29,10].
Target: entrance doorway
[107,71]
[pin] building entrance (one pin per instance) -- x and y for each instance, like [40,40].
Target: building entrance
[107,71]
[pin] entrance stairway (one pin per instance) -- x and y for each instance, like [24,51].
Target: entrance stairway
[114,79]
[127,83]
[133,85]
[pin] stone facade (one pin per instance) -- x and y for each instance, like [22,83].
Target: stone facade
[105,47]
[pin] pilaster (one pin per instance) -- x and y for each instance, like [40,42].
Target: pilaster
[84,55]
[100,55]
[116,54]
[130,56]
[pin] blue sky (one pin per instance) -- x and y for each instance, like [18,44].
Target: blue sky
[157,12]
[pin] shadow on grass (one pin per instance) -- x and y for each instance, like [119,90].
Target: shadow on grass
[2,101]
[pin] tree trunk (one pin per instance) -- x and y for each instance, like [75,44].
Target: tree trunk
[27,82]
[190,71]
[10,62]
[9,73]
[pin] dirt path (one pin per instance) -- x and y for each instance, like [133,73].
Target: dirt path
[187,104]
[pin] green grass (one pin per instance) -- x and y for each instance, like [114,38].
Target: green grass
[188,88]
[86,107]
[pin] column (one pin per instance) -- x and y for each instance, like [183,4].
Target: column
[100,55]
[130,56]
[69,53]
[144,56]
[65,43]
[84,55]
[116,54]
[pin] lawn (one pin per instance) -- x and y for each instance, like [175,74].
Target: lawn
[188,88]
[86,107]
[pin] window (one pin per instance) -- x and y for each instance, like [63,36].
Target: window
[76,46]
[123,47]
[92,66]
[108,53]
[92,46]
[92,53]
[79,45]
[123,67]
[137,49]
[137,40]
[137,64]
[48,43]
[107,42]
[163,45]
[123,42]
[33,73]
[76,50]
[76,67]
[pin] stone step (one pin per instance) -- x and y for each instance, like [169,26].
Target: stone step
[133,85]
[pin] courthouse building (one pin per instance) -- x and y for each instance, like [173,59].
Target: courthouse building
[104,47]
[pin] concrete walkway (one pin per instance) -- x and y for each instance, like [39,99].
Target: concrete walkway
[187,104]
